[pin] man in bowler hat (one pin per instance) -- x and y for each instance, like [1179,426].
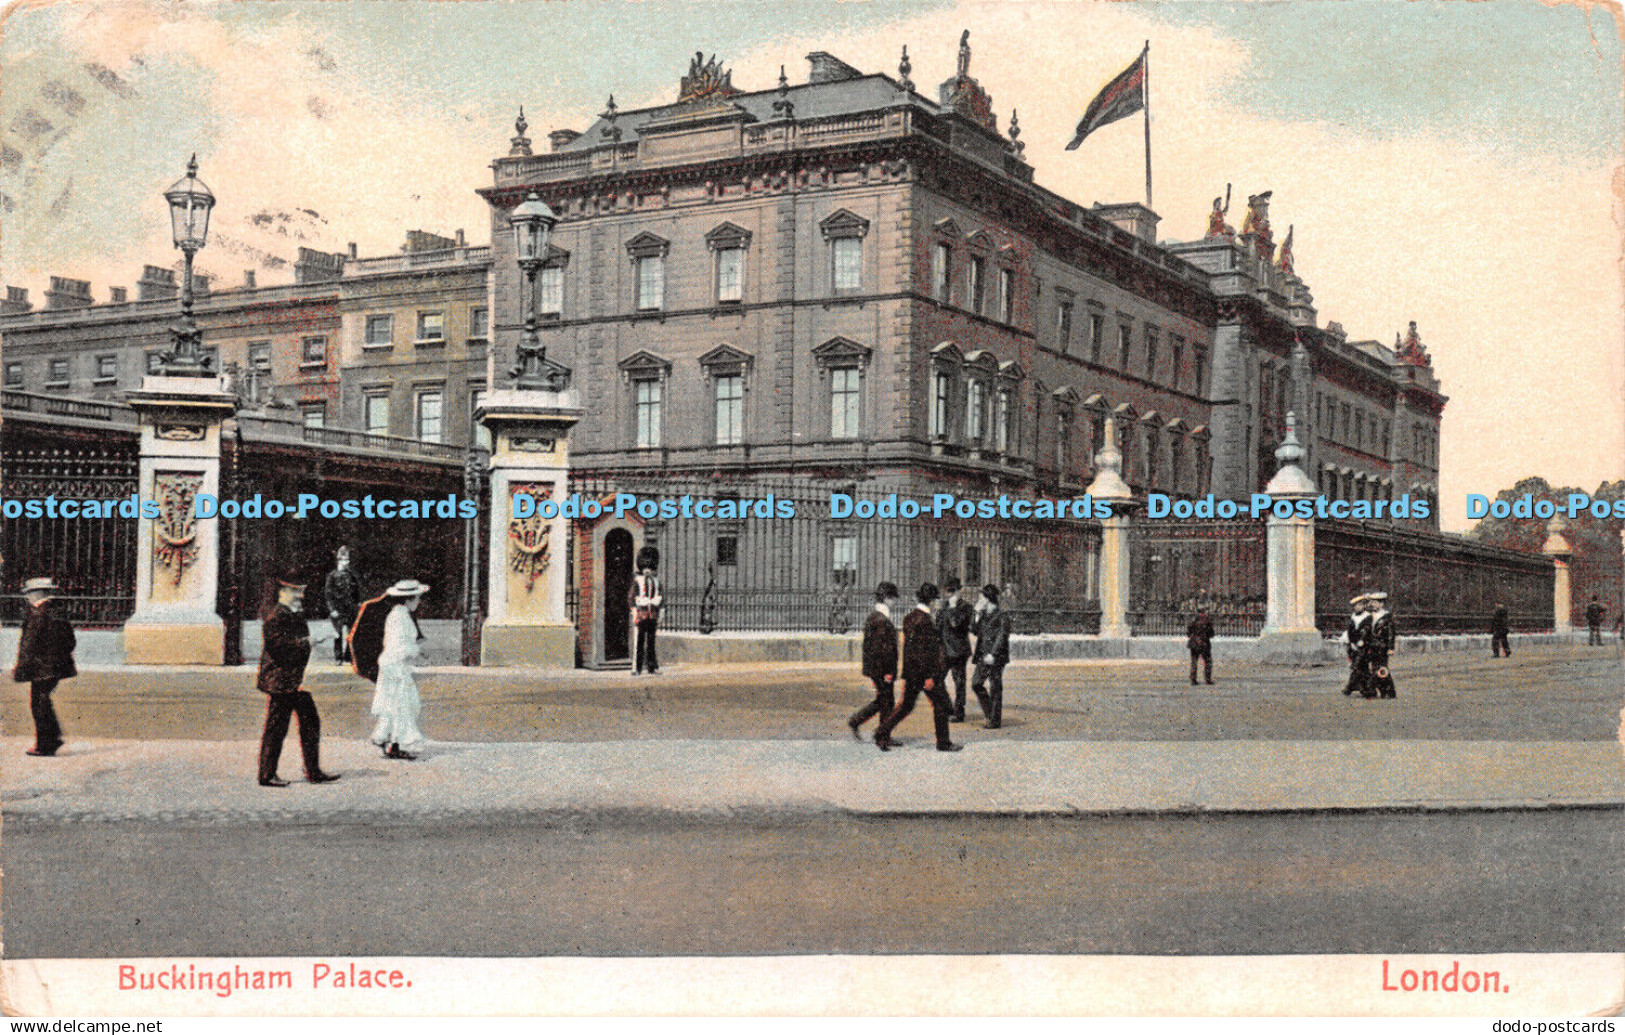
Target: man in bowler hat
[879,658]
[923,668]
[992,654]
[44,658]
[282,669]
[954,623]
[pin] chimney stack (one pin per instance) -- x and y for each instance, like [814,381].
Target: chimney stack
[827,68]
[16,302]
[462,241]
[118,295]
[248,280]
[67,293]
[156,283]
[423,241]
[353,254]
[560,138]
[316,267]
[200,284]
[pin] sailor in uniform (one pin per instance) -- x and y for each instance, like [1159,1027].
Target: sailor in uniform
[1380,645]
[1354,641]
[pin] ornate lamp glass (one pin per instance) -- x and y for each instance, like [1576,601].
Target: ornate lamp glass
[189,204]
[533,223]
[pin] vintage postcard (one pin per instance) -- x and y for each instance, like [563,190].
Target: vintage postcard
[660,508]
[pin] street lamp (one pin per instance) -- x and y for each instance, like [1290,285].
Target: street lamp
[533,223]
[189,205]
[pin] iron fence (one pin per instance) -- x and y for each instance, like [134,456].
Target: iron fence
[1177,566]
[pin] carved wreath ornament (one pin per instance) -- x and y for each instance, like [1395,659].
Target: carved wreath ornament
[174,534]
[528,537]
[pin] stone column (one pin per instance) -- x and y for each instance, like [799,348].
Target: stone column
[1114,549]
[1558,549]
[1289,635]
[177,555]
[527,622]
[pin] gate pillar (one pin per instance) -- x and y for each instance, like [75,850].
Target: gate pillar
[1557,548]
[1114,548]
[527,621]
[1290,635]
[178,554]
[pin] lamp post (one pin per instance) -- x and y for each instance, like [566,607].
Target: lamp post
[533,224]
[189,205]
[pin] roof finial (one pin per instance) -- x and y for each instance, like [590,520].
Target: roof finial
[1015,134]
[904,67]
[521,143]
[611,132]
[782,107]
[191,170]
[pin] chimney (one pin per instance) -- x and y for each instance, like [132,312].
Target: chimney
[248,280]
[353,254]
[1133,217]
[118,295]
[16,302]
[200,285]
[462,242]
[423,241]
[827,68]
[156,283]
[67,293]
[316,267]
[562,138]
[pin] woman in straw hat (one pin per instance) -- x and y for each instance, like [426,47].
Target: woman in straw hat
[396,702]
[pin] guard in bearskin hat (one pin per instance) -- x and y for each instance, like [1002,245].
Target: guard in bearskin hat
[644,599]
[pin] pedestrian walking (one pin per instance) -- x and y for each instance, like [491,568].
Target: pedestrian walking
[1354,641]
[1199,641]
[283,658]
[1500,633]
[923,667]
[879,659]
[645,600]
[1379,646]
[954,625]
[44,659]
[395,701]
[992,655]
[343,594]
[1595,613]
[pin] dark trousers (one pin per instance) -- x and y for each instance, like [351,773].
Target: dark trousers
[881,705]
[989,687]
[956,669]
[47,731]
[1596,637]
[940,709]
[646,659]
[281,708]
[1499,647]
[341,641]
[1359,678]
[1206,654]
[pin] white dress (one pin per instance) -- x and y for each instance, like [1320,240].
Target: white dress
[396,702]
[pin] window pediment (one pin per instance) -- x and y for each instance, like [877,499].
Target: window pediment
[1010,370]
[725,359]
[1126,411]
[643,365]
[557,258]
[980,241]
[843,223]
[1097,402]
[982,360]
[948,352]
[728,235]
[948,228]
[842,352]
[1066,396]
[647,245]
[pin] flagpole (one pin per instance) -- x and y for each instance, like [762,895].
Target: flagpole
[1145,85]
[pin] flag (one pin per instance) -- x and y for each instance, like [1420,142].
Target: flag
[1121,98]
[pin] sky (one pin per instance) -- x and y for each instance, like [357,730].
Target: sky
[1454,163]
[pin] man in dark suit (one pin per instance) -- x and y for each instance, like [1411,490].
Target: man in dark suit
[1199,641]
[923,667]
[44,659]
[1500,629]
[1595,613]
[879,658]
[992,654]
[282,669]
[343,593]
[954,624]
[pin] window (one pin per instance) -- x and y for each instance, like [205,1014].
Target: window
[727,551]
[1152,449]
[1063,443]
[847,253]
[1151,345]
[845,393]
[1063,323]
[482,433]
[430,410]
[58,372]
[975,285]
[380,331]
[942,258]
[1125,344]
[550,291]
[14,375]
[1097,336]
[646,402]
[1387,432]
[259,355]
[975,395]
[1002,411]
[479,322]
[313,352]
[375,412]
[730,275]
[843,551]
[730,390]
[314,414]
[1178,354]
[106,368]
[941,385]
[1007,296]
[1359,429]
[431,327]
[651,274]
[1199,359]
[1176,463]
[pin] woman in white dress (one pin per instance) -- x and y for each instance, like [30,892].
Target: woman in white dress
[396,702]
